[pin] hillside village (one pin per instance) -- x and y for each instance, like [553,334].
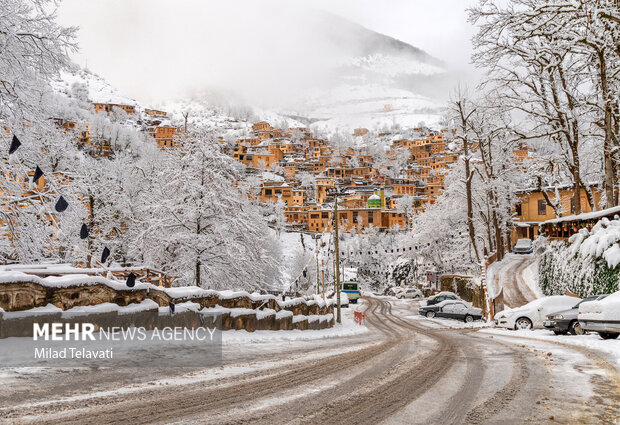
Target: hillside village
[303,173]
[276,213]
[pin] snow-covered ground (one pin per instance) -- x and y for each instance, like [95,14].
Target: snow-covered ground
[443,323]
[517,276]
[530,278]
[353,106]
[590,342]
[392,65]
[99,91]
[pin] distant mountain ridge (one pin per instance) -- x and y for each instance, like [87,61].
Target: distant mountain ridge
[348,34]
[379,81]
[355,77]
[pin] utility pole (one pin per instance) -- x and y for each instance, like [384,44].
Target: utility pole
[323,278]
[318,289]
[337,257]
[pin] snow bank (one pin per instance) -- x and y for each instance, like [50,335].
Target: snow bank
[313,318]
[33,312]
[530,277]
[444,323]
[181,308]
[145,305]
[69,280]
[90,309]
[591,341]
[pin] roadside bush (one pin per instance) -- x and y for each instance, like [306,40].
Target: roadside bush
[566,266]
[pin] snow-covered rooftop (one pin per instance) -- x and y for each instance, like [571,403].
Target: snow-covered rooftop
[586,216]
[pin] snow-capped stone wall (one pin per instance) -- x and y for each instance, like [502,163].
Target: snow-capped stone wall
[24,298]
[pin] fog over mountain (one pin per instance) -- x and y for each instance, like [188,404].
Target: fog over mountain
[294,59]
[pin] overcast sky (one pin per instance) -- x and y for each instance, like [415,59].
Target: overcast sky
[159,49]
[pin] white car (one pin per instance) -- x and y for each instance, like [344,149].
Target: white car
[523,246]
[602,316]
[410,293]
[532,315]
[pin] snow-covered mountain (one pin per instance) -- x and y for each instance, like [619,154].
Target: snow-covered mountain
[377,81]
[352,77]
[227,117]
[83,83]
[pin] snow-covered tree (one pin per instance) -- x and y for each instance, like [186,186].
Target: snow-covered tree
[556,62]
[200,227]
[34,49]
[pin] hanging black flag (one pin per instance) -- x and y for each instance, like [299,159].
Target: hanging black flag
[131,280]
[15,144]
[61,205]
[105,254]
[84,231]
[171,306]
[38,173]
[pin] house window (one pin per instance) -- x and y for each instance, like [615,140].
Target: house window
[519,209]
[572,205]
[542,207]
[371,218]
[267,192]
[324,215]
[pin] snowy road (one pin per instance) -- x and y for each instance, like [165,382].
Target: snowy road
[405,370]
[511,277]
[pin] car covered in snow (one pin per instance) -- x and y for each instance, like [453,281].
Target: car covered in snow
[523,246]
[412,293]
[533,314]
[394,291]
[440,297]
[602,316]
[452,309]
[567,321]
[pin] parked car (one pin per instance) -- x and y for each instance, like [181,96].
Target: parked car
[394,291]
[411,293]
[532,315]
[440,297]
[452,309]
[523,246]
[602,316]
[566,321]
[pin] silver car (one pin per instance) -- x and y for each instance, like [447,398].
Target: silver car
[411,293]
[523,246]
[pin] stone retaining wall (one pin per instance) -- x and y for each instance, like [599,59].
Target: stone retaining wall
[21,296]
[23,326]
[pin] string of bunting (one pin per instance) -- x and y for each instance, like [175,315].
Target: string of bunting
[15,144]
[62,205]
[391,250]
